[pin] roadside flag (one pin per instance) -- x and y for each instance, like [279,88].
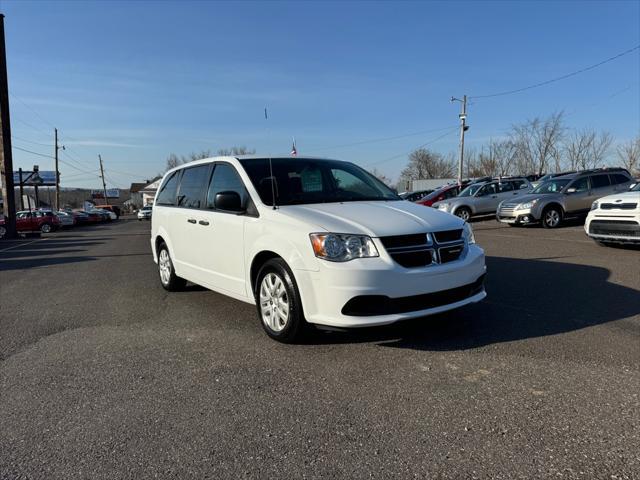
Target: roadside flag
[294,151]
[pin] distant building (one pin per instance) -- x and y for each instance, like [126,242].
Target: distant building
[135,194]
[149,191]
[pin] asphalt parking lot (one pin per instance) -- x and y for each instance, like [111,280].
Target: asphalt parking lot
[103,374]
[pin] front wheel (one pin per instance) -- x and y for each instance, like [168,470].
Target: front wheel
[278,302]
[464,213]
[45,228]
[551,217]
[168,278]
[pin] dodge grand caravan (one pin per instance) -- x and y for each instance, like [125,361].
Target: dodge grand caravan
[310,241]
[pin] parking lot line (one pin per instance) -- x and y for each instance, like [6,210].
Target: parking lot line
[22,244]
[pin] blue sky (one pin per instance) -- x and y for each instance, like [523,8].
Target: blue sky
[135,81]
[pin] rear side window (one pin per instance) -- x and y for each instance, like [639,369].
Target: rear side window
[599,181]
[517,184]
[581,184]
[505,187]
[225,179]
[167,194]
[617,178]
[192,186]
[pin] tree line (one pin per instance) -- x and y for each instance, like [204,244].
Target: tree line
[536,146]
[174,160]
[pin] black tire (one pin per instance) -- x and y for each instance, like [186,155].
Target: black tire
[464,213]
[294,328]
[168,278]
[552,217]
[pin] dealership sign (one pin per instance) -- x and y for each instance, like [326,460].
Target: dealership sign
[40,178]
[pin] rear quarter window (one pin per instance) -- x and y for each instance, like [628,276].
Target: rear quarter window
[599,181]
[167,194]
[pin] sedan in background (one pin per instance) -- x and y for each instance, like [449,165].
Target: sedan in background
[145,213]
[66,219]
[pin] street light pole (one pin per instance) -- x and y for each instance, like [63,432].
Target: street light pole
[463,128]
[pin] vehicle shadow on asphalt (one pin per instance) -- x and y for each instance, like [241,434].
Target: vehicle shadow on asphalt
[525,299]
[46,253]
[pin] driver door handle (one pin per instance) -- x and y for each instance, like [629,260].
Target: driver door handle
[203,222]
[191,220]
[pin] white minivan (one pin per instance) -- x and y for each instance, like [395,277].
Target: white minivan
[311,241]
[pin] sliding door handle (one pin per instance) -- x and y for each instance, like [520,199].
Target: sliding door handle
[203,222]
[191,220]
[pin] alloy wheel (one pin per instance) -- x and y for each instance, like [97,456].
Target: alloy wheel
[164,266]
[552,218]
[274,303]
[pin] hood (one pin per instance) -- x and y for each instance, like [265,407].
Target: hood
[376,219]
[623,197]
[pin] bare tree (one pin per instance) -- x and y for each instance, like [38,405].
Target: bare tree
[495,160]
[172,161]
[424,164]
[577,148]
[629,155]
[382,177]
[599,150]
[537,143]
[233,151]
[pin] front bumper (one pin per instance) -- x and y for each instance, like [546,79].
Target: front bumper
[509,214]
[378,291]
[613,228]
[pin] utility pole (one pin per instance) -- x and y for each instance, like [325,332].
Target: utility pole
[104,186]
[463,128]
[6,160]
[57,171]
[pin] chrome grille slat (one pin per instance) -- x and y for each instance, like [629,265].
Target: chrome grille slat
[421,250]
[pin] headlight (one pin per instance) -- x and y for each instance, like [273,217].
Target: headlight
[443,206]
[337,247]
[594,206]
[468,234]
[527,205]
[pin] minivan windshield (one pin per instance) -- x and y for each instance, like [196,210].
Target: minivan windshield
[303,181]
[471,190]
[551,186]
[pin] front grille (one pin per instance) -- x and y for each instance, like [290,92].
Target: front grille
[421,250]
[448,236]
[371,305]
[616,228]
[449,254]
[618,206]
[507,209]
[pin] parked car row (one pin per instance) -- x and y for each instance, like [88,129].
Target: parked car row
[47,220]
[551,200]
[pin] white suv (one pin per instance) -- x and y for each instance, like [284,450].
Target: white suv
[615,218]
[311,240]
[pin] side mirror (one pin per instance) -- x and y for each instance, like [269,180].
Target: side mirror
[571,190]
[229,202]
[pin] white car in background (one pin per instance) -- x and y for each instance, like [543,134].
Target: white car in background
[311,241]
[145,212]
[615,219]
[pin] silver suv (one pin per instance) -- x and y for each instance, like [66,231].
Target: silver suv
[563,196]
[483,198]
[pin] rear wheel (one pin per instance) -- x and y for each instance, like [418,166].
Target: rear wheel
[464,213]
[45,228]
[552,217]
[278,302]
[168,278]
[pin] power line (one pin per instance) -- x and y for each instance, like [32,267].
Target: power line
[30,108]
[32,152]
[31,141]
[556,79]
[451,130]
[383,139]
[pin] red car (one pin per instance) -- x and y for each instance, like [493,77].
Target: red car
[440,194]
[33,221]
